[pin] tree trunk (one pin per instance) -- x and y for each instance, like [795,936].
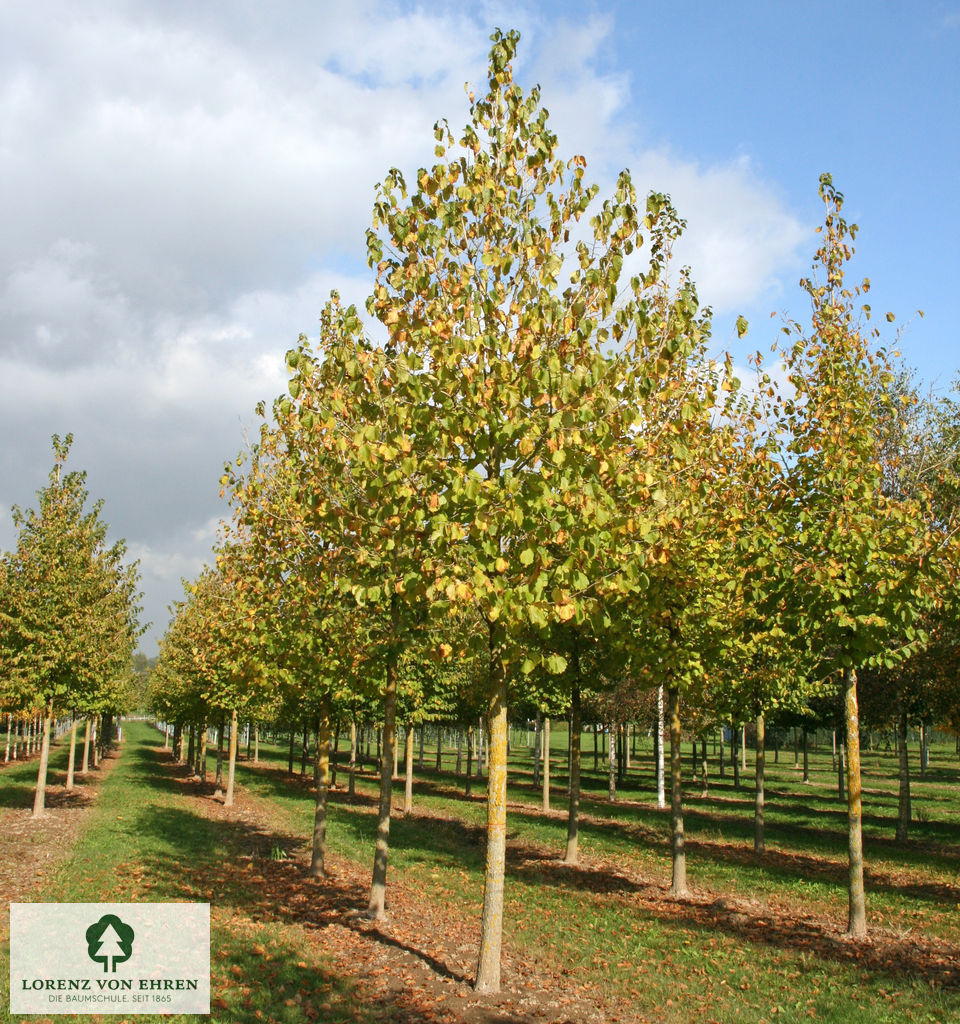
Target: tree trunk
[743,748]
[218,782]
[572,853]
[256,744]
[721,762]
[41,794]
[72,755]
[857,920]
[396,758]
[439,748]
[203,753]
[596,750]
[376,908]
[734,760]
[806,756]
[232,766]
[903,808]
[703,769]
[546,763]
[408,766]
[85,760]
[491,923]
[94,742]
[612,762]
[322,782]
[661,785]
[459,769]
[6,752]
[678,885]
[470,746]
[537,748]
[352,784]
[759,844]
[192,746]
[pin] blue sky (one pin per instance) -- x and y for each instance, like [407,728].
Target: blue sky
[185,181]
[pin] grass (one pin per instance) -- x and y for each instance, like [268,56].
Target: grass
[144,843]
[609,929]
[673,965]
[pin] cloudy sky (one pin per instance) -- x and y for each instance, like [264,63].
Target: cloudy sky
[182,183]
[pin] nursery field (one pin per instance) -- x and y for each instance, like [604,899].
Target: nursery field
[759,939]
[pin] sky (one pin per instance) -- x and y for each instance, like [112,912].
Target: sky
[183,183]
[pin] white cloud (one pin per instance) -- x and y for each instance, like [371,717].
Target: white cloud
[184,188]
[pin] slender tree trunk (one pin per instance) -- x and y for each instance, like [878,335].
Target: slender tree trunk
[396,757]
[6,751]
[352,784]
[734,760]
[842,771]
[678,885]
[166,735]
[459,770]
[218,782]
[806,756]
[661,765]
[834,757]
[470,748]
[232,766]
[202,765]
[439,748]
[857,920]
[596,750]
[249,738]
[95,742]
[376,908]
[322,782]
[192,747]
[572,853]
[408,769]
[612,762]
[743,748]
[41,794]
[903,808]
[256,744]
[72,755]
[491,923]
[703,769]
[546,764]
[759,844]
[537,748]
[721,762]
[85,760]
[305,750]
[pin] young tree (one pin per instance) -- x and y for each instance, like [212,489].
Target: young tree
[864,564]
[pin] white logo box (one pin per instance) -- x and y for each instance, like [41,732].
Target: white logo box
[144,958]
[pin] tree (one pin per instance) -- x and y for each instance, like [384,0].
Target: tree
[863,564]
[524,393]
[70,617]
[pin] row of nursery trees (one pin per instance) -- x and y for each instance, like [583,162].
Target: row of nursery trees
[68,626]
[521,482]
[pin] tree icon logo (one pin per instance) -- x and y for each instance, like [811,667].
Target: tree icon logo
[109,942]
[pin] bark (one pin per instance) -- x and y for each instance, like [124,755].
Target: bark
[678,885]
[376,908]
[734,760]
[352,785]
[806,756]
[41,794]
[857,920]
[94,742]
[546,763]
[721,763]
[72,755]
[322,782]
[396,758]
[572,853]
[537,748]
[6,752]
[256,745]
[218,782]
[86,747]
[491,922]
[612,762]
[759,844]
[232,765]
[703,769]
[596,750]
[192,747]
[202,763]
[743,748]
[903,808]
[408,766]
[470,746]
[658,737]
